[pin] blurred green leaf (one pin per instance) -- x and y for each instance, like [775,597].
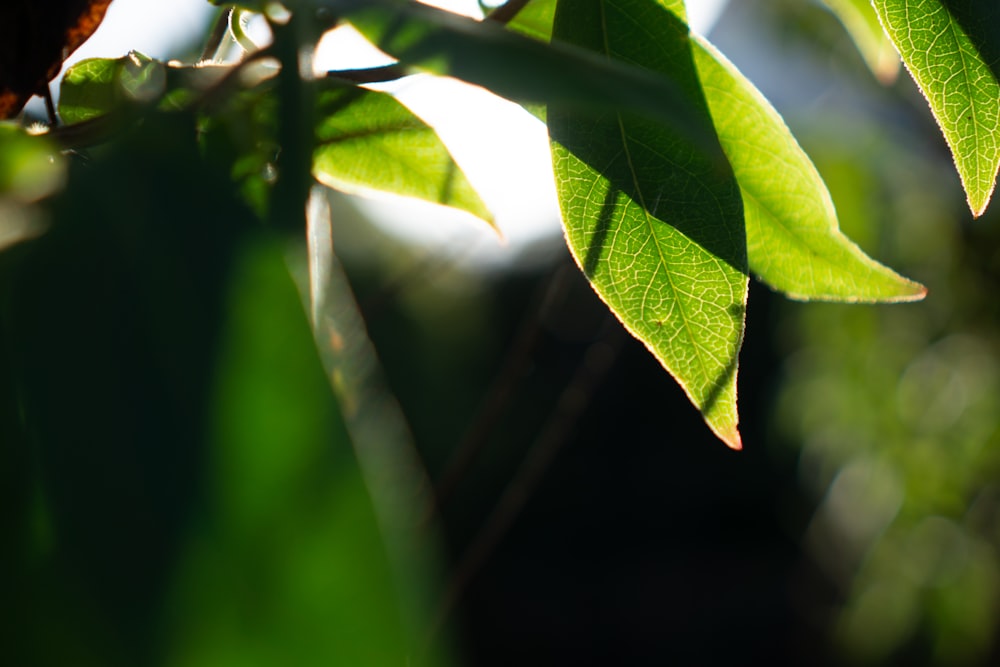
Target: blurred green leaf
[289,566]
[951,48]
[656,225]
[862,24]
[31,167]
[113,413]
[98,86]
[241,136]
[368,140]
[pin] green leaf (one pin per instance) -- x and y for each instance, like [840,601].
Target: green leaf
[794,243]
[289,564]
[862,24]
[535,20]
[98,86]
[655,224]
[367,139]
[519,68]
[951,49]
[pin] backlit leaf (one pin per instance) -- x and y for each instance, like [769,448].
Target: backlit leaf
[655,224]
[368,140]
[794,243]
[98,86]
[952,49]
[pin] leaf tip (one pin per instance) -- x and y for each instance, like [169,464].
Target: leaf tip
[978,199]
[979,208]
[731,438]
[914,291]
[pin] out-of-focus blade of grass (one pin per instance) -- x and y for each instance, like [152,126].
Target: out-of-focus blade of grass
[381,437]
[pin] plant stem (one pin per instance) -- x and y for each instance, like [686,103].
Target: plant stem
[506,12]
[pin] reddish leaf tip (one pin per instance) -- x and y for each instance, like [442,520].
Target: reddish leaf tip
[731,438]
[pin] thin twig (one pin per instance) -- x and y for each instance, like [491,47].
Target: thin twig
[50,106]
[573,401]
[379,74]
[506,12]
[210,95]
[501,391]
[219,31]
[383,73]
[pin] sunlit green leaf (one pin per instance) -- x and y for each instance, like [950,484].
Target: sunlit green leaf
[951,48]
[368,140]
[655,224]
[794,243]
[862,23]
[535,20]
[793,240]
[97,86]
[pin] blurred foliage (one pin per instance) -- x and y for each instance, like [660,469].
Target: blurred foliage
[178,485]
[896,408]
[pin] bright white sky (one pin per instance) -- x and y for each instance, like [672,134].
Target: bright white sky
[502,149]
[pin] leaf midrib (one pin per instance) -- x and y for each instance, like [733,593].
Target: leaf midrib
[967,84]
[366,133]
[652,231]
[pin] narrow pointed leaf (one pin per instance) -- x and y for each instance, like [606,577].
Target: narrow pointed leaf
[862,24]
[368,140]
[951,48]
[655,225]
[794,243]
